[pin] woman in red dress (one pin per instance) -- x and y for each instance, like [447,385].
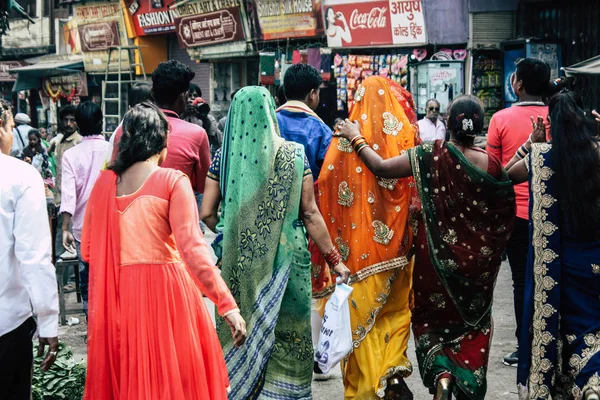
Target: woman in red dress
[150,334]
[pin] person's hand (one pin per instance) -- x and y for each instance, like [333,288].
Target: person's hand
[68,241]
[52,344]
[596,116]
[343,272]
[349,130]
[237,326]
[538,134]
[27,160]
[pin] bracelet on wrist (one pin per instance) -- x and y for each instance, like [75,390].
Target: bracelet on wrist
[333,258]
[358,150]
[356,138]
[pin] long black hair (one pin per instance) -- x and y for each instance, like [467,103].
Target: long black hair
[145,130]
[576,162]
[39,147]
[465,119]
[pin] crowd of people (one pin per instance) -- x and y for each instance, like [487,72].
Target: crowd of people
[415,215]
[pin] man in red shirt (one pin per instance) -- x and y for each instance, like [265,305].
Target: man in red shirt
[188,149]
[508,130]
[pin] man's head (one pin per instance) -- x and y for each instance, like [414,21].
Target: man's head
[170,84]
[193,93]
[432,110]
[35,138]
[22,119]
[6,127]
[302,82]
[66,118]
[140,92]
[531,78]
[43,133]
[89,119]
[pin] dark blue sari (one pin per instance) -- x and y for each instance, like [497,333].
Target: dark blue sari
[559,354]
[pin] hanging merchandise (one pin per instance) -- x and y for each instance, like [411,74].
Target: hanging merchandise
[267,68]
[350,70]
[488,82]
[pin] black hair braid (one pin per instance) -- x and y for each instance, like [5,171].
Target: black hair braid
[465,119]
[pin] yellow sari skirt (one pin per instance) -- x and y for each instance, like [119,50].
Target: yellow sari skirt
[380,318]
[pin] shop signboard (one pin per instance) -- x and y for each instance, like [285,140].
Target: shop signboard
[100,36]
[354,23]
[152,17]
[211,28]
[95,28]
[7,65]
[289,19]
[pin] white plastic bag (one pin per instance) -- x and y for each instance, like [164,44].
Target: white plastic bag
[335,339]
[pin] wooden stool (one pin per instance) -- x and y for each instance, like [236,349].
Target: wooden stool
[60,266]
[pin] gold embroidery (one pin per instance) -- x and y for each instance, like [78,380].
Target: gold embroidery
[343,247]
[578,362]
[402,371]
[345,195]
[450,237]
[596,269]
[388,183]
[383,234]
[371,197]
[486,251]
[344,145]
[542,229]
[438,300]
[360,93]
[391,124]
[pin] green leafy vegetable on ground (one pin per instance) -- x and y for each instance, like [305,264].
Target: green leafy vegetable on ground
[64,381]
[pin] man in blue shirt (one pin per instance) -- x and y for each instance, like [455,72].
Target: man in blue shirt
[297,119]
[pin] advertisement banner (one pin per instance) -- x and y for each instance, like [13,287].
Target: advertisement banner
[96,37]
[289,19]
[152,17]
[211,28]
[353,23]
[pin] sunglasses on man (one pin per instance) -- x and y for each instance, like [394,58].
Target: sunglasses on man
[434,109]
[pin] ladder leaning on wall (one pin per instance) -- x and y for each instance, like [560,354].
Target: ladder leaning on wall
[114,103]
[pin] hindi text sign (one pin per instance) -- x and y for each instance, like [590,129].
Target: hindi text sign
[211,28]
[97,37]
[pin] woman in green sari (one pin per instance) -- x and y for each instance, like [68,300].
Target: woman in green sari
[467,216]
[265,189]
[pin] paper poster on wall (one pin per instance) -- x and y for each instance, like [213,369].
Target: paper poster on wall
[290,18]
[355,23]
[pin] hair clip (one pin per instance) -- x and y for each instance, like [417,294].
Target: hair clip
[458,117]
[467,125]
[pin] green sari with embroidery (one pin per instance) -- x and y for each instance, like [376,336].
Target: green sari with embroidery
[264,256]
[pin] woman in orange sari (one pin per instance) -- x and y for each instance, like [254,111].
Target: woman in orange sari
[367,216]
[150,334]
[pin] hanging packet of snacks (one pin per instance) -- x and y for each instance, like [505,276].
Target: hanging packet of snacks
[350,70]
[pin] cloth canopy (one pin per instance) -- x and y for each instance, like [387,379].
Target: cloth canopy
[30,76]
[588,67]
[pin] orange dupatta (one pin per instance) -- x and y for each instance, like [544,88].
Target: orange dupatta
[100,246]
[367,215]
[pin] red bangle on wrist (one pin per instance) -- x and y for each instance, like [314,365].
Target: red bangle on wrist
[333,258]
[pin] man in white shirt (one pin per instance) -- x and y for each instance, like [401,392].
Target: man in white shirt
[27,275]
[431,127]
[20,134]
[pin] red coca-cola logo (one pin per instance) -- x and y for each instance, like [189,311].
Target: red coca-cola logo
[376,18]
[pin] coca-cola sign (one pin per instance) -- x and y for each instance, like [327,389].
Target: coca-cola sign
[361,23]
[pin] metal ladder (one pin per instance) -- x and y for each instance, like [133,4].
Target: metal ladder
[113,108]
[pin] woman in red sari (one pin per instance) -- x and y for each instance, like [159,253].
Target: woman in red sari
[468,211]
[150,334]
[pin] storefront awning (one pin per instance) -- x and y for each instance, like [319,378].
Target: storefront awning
[587,67]
[30,77]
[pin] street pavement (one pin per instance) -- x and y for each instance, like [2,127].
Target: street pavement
[501,379]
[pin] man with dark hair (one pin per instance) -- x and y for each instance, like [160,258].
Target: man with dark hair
[299,123]
[81,166]
[138,93]
[188,150]
[508,130]
[28,280]
[297,119]
[66,138]
[431,127]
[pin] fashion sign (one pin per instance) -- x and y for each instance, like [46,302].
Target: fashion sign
[353,23]
[151,17]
